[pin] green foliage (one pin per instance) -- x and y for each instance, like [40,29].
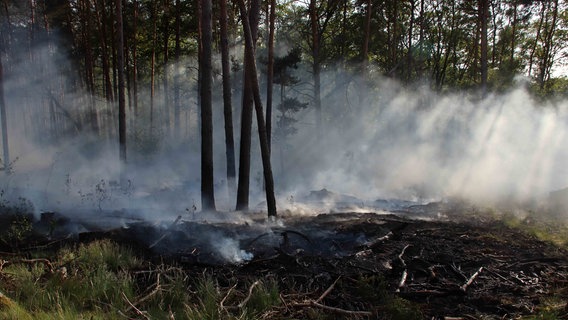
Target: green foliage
[91,282]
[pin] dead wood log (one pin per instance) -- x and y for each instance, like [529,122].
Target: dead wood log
[471,279]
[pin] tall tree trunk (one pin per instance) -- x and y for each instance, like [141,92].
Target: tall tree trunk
[153,61]
[270,73]
[207,185]
[513,32]
[265,153]
[410,35]
[316,68]
[537,37]
[101,16]
[120,76]
[227,103]
[367,28]
[177,102]
[135,59]
[547,52]
[483,16]
[5,148]
[166,26]
[246,113]
[86,25]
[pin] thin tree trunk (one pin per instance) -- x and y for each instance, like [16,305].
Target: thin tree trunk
[270,73]
[483,16]
[153,61]
[227,103]
[365,51]
[316,68]
[120,76]
[135,59]
[243,187]
[101,15]
[537,37]
[5,148]
[265,153]
[165,23]
[177,102]
[207,182]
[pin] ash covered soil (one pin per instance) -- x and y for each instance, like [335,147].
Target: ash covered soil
[434,261]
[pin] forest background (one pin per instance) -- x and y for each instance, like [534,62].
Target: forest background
[125,85]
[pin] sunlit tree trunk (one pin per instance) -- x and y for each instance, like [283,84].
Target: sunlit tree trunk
[207,185]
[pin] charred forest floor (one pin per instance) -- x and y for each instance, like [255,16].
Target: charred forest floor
[403,265]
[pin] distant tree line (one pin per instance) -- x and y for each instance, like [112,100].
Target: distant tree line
[149,66]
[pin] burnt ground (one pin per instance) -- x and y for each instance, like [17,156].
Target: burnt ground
[366,265]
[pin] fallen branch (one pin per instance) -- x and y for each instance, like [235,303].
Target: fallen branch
[471,279]
[328,290]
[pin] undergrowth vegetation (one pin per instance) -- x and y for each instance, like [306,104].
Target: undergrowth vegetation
[104,280]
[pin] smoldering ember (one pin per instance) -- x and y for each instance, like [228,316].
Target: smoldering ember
[312,159]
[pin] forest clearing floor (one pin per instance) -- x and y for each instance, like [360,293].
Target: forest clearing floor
[362,265]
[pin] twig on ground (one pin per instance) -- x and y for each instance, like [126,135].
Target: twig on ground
[222,303]
[157,288]
[328,290]
[138,311]
[244,302]
[471,279]
[402,280]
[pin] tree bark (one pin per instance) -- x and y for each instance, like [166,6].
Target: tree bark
[265,153]
[177,102]
[246,113]
[166,26]
[207,182]
[270,73]
[120,75]
[227,103]
[5,147]
[316,68]
[483,16]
